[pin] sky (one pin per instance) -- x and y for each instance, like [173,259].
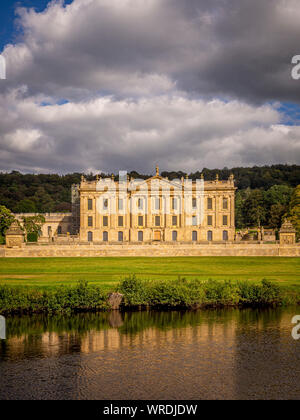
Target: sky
[109,85]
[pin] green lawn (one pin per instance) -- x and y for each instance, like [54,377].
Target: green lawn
[49,272]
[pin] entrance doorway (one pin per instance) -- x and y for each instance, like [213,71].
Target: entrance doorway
[157,235]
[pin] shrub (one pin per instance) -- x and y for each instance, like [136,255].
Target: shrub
[263,294]
[221,293]
[187,293]
[134,291]
[62,299]
[32,237]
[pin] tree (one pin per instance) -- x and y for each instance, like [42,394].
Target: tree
[254,212]
[278,194]
[239,202]
[33,224]
[276,214]
[6,219]
[277,200]
[294,210]
[25,206]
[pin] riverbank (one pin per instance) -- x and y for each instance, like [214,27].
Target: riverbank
[138,294]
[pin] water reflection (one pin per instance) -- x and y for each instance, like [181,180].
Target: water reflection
[151,355]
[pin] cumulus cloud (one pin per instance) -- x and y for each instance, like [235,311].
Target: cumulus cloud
[125,47]
[105,134]
[184,83]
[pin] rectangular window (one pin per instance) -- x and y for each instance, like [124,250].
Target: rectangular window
[225,220]
[90,221]
[157,220]
[120,204]
[174,203]
[105,220]
[140,204]
[174,220]
[209,203]
[194,220]
[194,203]
[209,220]
[141,221]
[120,221]
[105,203]
[140,236]
[157,203]
[90,204]
[225,203]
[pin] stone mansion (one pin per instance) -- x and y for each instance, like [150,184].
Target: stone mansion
[155,210]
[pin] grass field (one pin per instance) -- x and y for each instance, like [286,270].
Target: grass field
[107,272]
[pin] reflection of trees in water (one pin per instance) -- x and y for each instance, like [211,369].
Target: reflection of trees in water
[127,323]
[41,335]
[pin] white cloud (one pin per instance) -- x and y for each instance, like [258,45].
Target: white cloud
[175,131]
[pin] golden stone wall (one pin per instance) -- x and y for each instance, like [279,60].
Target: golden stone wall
[155,250]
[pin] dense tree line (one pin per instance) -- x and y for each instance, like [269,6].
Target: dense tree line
[263,196]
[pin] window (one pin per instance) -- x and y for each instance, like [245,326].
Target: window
[140,204]
[209,235]
[225,203]
[90,236]
[120,236]
[140,236]
[194,236]
[120,221]
[225,235]
[174,220]
[194,203]
[59,231]
[225,220]
[49,230]
[90,221]
[90,204]
[174,235]
[120,204]
[174,203]
[105,203]
[105,236]
[209,203]
[105,220]
[209,220]
[141,221]
[194,220]
[157,203]
[157,220]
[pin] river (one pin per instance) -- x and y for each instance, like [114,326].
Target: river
[211,354]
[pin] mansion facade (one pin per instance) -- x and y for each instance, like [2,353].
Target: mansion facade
[155,210]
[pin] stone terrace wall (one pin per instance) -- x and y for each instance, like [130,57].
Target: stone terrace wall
[157,250]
